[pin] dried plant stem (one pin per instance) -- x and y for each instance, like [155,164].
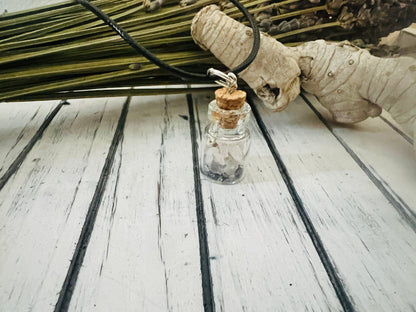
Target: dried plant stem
[63,48]
[273,6]
[45,71]
[307,29]
[299,12]
[90,80]
[116,92]
[234,13]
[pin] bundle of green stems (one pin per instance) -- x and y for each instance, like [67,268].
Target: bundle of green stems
[64,51]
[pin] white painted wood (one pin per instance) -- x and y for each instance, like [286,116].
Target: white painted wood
[262,258]
[144,250]
[43,207]
[384,151]
[387,116]
[18,124]
[388,119]
[371,245]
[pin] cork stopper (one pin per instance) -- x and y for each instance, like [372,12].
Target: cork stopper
[227,114]
[230,101]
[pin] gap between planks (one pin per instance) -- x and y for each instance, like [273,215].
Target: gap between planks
[316,240]
[44,206]
[82,244]
[389,120]
[369,242]
[398,203]
[15,165]
[208,297]
[144,253]
[259,247]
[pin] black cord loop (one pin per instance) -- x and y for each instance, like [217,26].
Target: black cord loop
[183,74]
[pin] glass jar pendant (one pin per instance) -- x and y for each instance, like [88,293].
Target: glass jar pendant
[226,139]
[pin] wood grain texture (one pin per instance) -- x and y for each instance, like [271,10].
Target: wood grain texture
[262,258]
[42,207]
[18,124]
[386,117]
[144,254]
[388,155]
[371,244]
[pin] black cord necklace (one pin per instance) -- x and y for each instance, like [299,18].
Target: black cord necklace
[183,74]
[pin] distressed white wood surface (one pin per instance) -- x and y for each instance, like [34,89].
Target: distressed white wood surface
[18,124]
[386,117]
[144,250]
[370,243]
[43,207]
[262,258]
[384,151]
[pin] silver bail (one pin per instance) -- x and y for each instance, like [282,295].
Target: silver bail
[229,80]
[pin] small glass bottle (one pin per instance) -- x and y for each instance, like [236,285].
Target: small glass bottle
[226,139]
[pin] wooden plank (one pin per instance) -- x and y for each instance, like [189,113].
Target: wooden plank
[386,154]
[372,245]
[42,207]
[144,254]
[261,256]
[386,117]
[19,122]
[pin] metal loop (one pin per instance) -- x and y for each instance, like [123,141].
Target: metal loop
[230,79]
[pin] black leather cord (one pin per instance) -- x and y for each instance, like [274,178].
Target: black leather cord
[173,69]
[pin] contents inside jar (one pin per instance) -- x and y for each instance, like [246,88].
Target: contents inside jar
[226,139]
